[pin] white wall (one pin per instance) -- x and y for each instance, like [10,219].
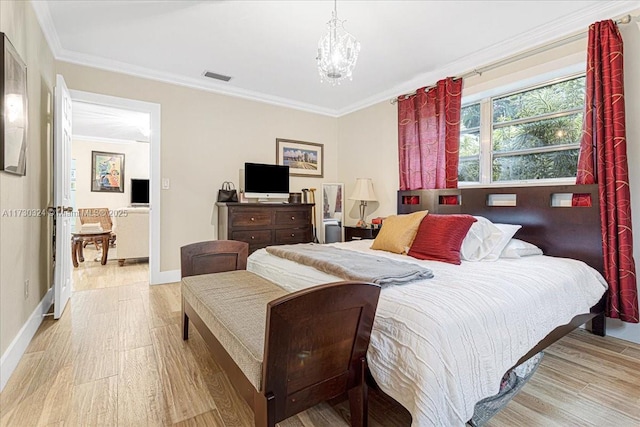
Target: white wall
[136,165]
[368,141]
[368,148]
[206,139]
[25,241]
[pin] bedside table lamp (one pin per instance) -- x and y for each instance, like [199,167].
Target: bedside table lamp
[363,192]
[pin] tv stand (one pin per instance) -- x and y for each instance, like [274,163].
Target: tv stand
[265,224]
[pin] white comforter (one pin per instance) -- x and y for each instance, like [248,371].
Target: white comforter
[438,346]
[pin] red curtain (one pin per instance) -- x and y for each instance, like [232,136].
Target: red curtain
[429,136]
[603,159]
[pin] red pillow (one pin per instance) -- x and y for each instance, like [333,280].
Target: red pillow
[440,237]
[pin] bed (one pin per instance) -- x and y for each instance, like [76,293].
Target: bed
[440,345]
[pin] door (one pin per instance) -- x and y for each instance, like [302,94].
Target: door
[62,196]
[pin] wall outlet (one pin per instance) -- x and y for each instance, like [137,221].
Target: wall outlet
[26,289]
[165,183]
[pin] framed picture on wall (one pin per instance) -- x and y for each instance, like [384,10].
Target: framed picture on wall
[13,110]
[107,172]
[303,158]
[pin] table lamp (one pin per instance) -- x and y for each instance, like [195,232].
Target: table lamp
[363,192]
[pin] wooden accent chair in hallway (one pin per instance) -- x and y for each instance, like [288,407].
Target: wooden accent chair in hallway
[101,216]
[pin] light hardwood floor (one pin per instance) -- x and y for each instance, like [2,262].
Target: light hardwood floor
[116,357]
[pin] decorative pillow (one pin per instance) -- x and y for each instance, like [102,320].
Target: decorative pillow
[482,237]
[439,237]
[508,230]
[397,232]
[517,248]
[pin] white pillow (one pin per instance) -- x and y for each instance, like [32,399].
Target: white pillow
[517,248]
[508,230]
[481,239]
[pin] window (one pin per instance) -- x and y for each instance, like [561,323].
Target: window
[529,135]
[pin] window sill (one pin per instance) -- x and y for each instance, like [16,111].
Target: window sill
[525,183]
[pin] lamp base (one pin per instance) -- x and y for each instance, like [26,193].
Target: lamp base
[362,224]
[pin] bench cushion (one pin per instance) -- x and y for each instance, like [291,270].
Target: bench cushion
[233,305]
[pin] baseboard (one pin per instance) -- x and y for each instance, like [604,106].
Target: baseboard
[162,277]
[624,331]
[16,349]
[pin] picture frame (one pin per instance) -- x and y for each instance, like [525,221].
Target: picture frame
[13,110]
[303,158]
[107,172]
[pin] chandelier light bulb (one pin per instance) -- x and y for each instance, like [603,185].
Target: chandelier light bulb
[337,52]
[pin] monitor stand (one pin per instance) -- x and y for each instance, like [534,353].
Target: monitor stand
[272,201]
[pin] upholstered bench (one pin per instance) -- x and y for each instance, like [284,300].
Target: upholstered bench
[284,352]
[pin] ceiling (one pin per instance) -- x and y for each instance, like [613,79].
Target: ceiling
[109,124]
[269,47]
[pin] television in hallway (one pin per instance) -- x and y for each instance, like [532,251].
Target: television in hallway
[139,192]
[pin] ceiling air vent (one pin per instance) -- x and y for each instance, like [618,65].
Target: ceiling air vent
[217,76]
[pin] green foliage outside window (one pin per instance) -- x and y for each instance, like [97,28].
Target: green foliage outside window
[535,134]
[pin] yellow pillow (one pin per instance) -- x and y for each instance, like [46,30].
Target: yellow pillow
[397,232]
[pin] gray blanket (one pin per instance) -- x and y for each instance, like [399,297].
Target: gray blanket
[350,265]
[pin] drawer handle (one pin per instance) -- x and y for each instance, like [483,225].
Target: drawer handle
[293,234]
[253,237]
[293,218]
[253,219]
[356,238]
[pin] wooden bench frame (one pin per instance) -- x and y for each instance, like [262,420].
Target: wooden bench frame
[355,301]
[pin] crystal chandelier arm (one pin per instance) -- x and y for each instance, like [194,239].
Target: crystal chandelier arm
[337,51]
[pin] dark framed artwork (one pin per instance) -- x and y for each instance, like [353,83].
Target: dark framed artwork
[13,126]
[107,172]
[303,158]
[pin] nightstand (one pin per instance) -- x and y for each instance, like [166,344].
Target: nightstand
[358,233]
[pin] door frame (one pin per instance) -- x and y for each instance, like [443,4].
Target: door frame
[155,275]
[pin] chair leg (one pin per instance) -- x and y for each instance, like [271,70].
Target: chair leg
[264,410]
[358,400]
[261,411]
[185,326]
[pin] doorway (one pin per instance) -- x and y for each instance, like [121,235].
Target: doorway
[104,103]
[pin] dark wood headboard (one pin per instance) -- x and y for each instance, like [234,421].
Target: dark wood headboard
[564,231]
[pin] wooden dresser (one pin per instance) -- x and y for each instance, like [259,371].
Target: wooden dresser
[264,224]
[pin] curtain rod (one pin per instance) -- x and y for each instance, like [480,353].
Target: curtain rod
[561,42]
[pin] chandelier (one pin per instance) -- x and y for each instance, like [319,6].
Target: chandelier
[337,51]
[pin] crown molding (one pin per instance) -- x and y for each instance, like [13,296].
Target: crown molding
[529,40]
[41,8]
[190,82]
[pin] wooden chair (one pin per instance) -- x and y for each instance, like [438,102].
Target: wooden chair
[97,215]
[213,257]
[315,350]
[315,340]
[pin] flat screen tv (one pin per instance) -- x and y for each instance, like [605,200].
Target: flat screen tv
[139,192]
[266,182]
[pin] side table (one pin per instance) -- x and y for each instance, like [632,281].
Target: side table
[359,233]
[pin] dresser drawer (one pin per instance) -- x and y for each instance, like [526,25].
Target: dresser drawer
[250,218]
[253,237]
[293,217]
[293,235]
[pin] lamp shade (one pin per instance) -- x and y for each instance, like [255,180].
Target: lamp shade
[364,190]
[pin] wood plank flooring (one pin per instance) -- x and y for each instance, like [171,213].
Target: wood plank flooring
[116,357]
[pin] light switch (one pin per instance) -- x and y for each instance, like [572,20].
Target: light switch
[165,183]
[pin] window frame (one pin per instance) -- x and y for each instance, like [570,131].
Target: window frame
[486,127]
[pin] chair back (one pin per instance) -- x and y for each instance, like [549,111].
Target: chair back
[213,257]
[93,215]
[315,344]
